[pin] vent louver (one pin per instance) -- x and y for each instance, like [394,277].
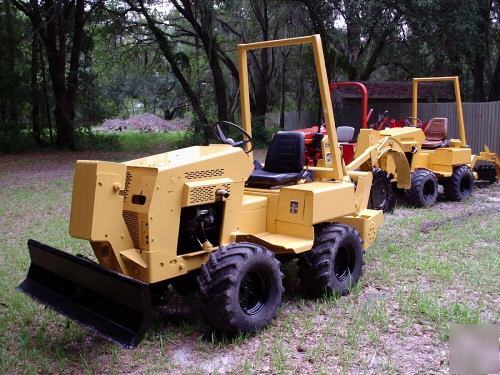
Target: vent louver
[132,221]
[206,173]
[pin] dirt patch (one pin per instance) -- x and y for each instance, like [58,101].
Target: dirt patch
[429,226]
[38,167]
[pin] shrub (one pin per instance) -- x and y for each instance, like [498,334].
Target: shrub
[11,143]
[87,139]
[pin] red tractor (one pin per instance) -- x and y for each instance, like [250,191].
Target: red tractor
[313,137]
[345,134]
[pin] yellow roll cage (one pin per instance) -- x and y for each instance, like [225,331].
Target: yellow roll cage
[338,170]
[458,101]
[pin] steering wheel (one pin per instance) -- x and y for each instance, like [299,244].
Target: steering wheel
[409,122]
[219,134]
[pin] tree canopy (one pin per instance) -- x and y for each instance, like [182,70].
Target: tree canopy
[67,64]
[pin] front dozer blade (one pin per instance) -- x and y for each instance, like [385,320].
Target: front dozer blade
[115,306]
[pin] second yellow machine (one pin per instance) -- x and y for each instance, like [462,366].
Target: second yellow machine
[209,218]
[433,159]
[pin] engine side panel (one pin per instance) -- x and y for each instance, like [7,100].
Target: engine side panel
[316,202]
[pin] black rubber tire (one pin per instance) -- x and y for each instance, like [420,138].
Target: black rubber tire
[222,295]
[335,263]
[381,193]
[486,172]
[460,185]
[186,284]
[424,188]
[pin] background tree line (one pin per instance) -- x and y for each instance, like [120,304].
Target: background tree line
[68,64]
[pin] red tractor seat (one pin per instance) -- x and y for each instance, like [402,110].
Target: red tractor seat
[435,133]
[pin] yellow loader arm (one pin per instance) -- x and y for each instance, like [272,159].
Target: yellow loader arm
[378,153]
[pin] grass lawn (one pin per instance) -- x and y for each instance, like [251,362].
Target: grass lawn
[135,141]
[428,268]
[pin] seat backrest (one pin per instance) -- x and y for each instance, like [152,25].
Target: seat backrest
[345,133]
[436,129]
[285,153]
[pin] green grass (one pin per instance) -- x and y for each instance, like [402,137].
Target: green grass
[132,141]
[129,141]
[414,281]
[85,140]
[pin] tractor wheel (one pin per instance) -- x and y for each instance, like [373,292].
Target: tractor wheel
[240,288]
[334,264]
[486,172]
[186,284]
[424,188]
[460,185]
[381,193]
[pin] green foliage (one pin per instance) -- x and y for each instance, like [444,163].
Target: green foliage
[88,139]
[17,142]
[14,69]
[260,133]
[92,109]
[160,142]
[124,70]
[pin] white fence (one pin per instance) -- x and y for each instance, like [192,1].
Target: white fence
[482,120]
[293,120]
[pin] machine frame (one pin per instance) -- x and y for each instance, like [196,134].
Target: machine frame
[337,170]
[458,102]
[187,214]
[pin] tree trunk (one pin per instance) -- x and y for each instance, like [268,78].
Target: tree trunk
[3,73]
[262,86]
[481,47]
[59,22]
[64,110]
[46,99]
[318,16]
[167,114]
[261,95]
[168,53]
[74,64]
[219,85]
[372,60]
[478,76]
[495,83]
[35,97]
[12,113]
[204,30]
[64,117]
[283,94]
[353,45]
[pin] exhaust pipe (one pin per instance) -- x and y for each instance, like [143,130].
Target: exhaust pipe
[113,305]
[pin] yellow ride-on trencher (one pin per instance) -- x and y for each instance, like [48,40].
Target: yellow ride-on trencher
[207,216]
[433,158]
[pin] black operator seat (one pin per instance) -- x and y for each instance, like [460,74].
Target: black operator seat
[284,162]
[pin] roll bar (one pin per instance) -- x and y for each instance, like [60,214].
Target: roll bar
[458,101]
[326,100]
[364,98]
